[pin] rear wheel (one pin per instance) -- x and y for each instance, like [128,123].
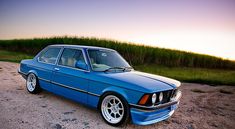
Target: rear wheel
[114,109]
[32,84]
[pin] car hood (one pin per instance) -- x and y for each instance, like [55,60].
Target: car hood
[139,81]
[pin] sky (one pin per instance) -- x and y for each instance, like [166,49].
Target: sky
[201,26]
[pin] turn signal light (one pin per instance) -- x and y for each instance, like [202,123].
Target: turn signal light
[144,99]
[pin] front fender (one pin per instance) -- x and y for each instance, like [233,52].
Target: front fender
[33,71]
[131,96]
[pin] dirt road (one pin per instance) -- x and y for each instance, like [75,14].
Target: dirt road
[21,110]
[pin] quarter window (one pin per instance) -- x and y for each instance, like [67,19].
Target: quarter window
[49,56]
[69,57]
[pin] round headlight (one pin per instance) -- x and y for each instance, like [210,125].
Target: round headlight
[154,98]
[160,97]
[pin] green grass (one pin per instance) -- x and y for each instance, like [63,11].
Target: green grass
[135,54]
[180,65]
[13,56]
[195,75]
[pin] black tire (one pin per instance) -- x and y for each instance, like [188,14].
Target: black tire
[126,116]
[36,88]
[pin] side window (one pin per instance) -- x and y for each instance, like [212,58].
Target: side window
[69,57]
[49,56]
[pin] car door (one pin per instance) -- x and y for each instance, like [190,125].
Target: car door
[68,80]
[44,66]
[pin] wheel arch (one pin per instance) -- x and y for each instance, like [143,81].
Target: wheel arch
[115,90]
[32,71]
[131,96]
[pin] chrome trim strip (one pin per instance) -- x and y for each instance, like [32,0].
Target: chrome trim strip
[72,88]
[93,94]
[68,87]
[44,79]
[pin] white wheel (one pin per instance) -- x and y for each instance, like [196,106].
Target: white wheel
[31,83]
[112,109]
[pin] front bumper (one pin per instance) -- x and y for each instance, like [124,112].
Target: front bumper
[24,75]
[142,115]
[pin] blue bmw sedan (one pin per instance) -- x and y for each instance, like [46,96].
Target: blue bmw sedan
[101,78]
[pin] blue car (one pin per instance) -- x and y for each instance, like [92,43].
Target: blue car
[102,79]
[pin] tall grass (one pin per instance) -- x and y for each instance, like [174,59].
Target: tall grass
[195,75]
[13,56]
[135,54]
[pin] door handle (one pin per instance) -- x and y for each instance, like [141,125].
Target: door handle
[56,69]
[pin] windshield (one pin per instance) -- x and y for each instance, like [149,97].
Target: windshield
[102,60]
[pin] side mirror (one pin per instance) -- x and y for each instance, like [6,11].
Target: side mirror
[81,65]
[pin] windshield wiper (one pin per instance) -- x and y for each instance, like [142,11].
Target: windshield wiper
[114,68]
[127,68]
[122,68]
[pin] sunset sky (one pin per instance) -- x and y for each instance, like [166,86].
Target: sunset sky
[202,26]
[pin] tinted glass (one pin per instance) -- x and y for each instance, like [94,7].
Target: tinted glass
[49,55]
[69,57]
[105,59]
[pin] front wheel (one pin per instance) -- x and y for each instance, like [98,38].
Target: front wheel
[32,84]
[114,109]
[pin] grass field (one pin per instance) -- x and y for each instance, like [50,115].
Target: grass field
[13,56]
[196,75]
[135,54]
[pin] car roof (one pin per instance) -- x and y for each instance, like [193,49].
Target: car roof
[81,46]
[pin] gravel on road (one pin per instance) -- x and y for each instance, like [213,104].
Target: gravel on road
[201,107]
